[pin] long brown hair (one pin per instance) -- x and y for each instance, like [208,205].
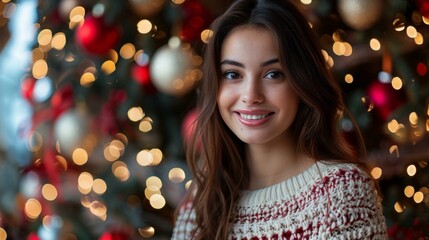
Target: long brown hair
[216,156]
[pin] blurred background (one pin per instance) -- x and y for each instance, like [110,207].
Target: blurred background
[97,97]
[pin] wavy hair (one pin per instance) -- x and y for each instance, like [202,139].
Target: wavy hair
[216,156]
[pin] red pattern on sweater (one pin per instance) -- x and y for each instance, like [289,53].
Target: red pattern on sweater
[340,204]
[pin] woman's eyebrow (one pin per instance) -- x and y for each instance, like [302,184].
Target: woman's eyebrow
[271,61]
[232,62]
[238,64]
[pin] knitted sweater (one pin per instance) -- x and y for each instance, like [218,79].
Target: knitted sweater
[325,202]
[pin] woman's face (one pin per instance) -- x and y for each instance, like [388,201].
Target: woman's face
[255,98]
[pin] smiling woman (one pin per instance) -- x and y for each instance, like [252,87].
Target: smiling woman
[268,158]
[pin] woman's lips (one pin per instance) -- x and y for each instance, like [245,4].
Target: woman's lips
[253,118]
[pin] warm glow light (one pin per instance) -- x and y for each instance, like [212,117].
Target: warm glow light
[418,197]
[177,1]
[144,158]
[32,208]
[147,232]
[413,118]
[376,172]
[145,126]
[396,83]
[80,156]
[157,156]
[338,48]
[409,191]
[112,152]
[325,55]
[411,170]
[349,49]
[98,208]
[59,41]
[120,170]
[49,192]
[144,26]
[411,32]
[425,20]
[153,183]
[108,67]
[419,39]
[45,37]
[393,126]
[99,186]
[87,79]
[188,184]
[399,23]
[398,207]
[135,114]
[157,201]
[374,44]
[306,2]
[3,234]
[127,51]
[40,69]
[348,78]
[394,148]
[113,55]
[206,35]
[149,192]
[77,14]
[176,175]
[85,181]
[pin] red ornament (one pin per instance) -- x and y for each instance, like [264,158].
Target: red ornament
[188,125]
[195,19]
[385,98]
[27,88]
[33,236]
[141,74]
[421,69]
[423,7]
[115,235]
[96,37]
[62,100]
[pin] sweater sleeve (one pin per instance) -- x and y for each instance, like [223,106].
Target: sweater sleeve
[185,222]
[355,211]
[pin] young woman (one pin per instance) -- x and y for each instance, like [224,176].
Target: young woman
[268,157]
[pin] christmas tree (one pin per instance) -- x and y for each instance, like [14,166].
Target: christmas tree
[97,99]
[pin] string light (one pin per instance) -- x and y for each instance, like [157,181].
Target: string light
[348,78]
[375,44]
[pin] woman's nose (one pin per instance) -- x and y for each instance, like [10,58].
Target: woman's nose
[252,92]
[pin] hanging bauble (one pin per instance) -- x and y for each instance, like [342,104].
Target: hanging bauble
[188,125]
[195,19]
[27,88]
[141,75]
[70,130]
[360,14]
[97,37]
[146,8]
[114,235]
[423,7]
[172,71]
[385,98]
[62,100]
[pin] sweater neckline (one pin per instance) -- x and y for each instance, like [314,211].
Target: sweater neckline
[286,189]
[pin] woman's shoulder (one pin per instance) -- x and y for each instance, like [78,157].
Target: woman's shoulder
[347,173]
[185,221]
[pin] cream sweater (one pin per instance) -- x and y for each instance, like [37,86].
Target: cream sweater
[324,202]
